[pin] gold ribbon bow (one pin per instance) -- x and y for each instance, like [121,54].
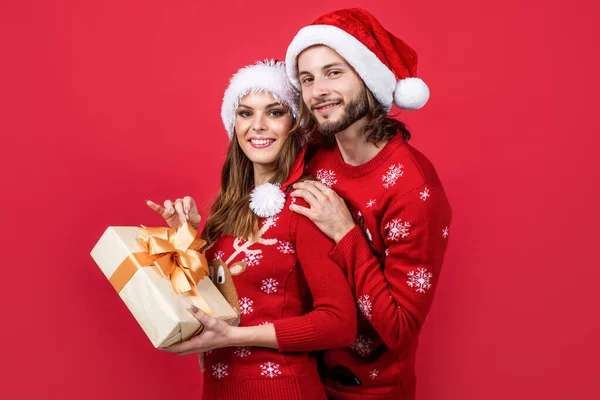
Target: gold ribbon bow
[175,254]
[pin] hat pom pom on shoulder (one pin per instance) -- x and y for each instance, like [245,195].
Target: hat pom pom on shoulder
[267,200]
[411,94]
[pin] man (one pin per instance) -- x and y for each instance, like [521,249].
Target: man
[392,241]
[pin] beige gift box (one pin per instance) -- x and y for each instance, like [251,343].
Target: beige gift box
[148,292]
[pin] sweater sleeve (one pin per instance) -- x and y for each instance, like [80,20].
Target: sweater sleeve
[332,322]
[396,297]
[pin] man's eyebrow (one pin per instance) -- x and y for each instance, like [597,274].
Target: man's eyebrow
[334,64]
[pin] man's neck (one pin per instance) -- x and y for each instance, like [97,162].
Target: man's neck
[353,145]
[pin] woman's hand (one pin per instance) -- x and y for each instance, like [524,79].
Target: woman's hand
[327,210]
[176,213]
[216,334]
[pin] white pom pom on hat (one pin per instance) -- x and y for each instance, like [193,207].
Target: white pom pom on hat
[411,94]
[267,200]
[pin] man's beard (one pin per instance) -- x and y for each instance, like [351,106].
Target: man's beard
[353,111]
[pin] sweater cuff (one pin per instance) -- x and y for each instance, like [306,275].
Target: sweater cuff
[295,334]
[352,251]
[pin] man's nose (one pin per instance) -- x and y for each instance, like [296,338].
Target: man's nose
[320,88]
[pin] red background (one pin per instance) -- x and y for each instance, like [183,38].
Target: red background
[107,103]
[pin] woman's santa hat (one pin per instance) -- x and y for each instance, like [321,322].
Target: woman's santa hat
[268,76]
[376,55]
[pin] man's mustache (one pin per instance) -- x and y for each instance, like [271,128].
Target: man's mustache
[312,108]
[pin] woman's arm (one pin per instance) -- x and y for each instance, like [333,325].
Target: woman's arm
[331,324]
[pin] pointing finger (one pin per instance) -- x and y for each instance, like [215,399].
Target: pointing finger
[158,208]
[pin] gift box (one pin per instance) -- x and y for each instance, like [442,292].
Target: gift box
[159,273]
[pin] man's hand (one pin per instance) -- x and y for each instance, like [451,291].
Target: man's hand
[327,210]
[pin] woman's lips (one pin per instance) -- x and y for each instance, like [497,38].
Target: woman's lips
[261,143]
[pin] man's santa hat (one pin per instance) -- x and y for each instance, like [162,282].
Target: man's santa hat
[386,64]
[268,76]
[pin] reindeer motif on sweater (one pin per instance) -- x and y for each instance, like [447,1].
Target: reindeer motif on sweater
[221,271]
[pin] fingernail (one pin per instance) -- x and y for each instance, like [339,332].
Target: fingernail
[187,210]
[194,308]
[171,211]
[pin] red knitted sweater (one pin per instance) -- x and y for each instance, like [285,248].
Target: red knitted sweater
[392,260]
[288,281]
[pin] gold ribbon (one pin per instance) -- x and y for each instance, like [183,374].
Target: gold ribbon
[175,254]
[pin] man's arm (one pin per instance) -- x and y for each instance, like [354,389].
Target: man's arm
[396,296]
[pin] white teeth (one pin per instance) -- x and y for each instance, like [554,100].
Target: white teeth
[328,106]
[261,142]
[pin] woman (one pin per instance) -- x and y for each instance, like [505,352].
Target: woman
[292,298]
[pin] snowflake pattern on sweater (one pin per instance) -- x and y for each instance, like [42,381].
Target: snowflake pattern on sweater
[392,174]
[219,370]
[392,260]
[363,345]
[327,177]
[365,306]
[269,286]
[270,369]
[242,351]
[287,259]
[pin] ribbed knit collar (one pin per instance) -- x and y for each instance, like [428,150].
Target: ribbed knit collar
[354,171]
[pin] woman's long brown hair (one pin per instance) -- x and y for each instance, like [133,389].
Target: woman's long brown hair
[231,213]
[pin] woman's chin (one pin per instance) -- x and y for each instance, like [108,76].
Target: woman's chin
[263,160]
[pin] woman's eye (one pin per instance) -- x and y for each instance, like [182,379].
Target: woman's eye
[244,114]
[277,113]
